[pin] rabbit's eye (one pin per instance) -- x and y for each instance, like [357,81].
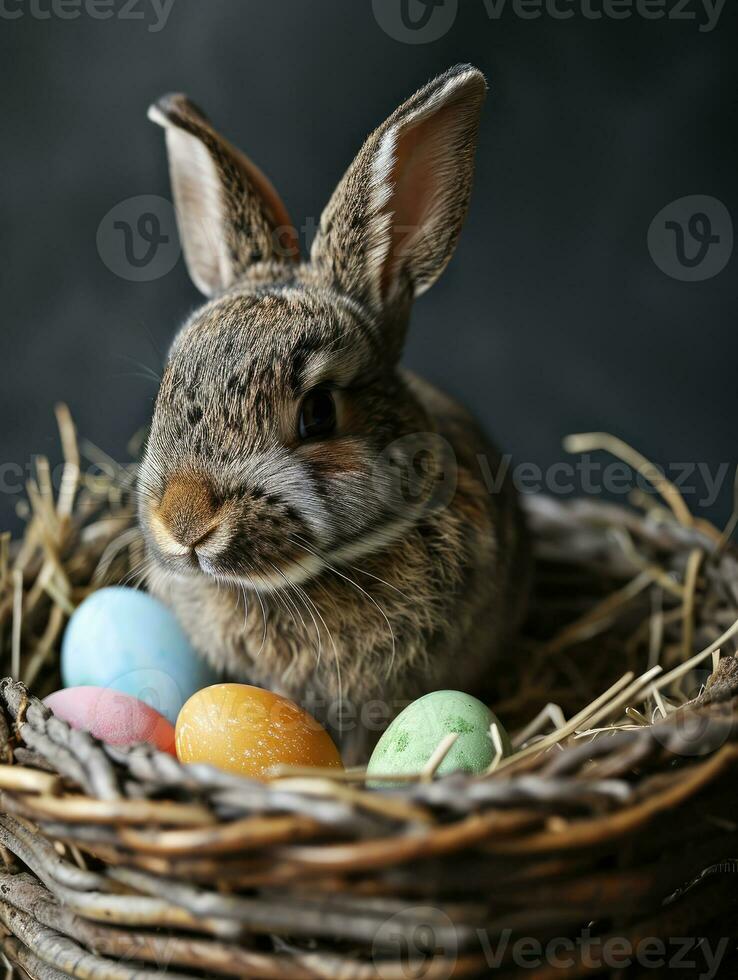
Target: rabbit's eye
[317,414]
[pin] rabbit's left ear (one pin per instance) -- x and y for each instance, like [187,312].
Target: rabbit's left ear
[393,222]
[228,213]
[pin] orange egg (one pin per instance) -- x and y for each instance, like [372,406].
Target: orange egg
[248,731]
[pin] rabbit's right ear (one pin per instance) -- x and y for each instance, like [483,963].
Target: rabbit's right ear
[393,221]
[228,214]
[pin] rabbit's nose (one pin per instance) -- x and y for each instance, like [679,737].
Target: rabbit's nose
[189,511]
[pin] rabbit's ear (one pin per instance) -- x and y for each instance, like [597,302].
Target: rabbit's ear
[228,214]
[393,221]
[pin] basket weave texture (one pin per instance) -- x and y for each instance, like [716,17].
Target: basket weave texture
[121,863]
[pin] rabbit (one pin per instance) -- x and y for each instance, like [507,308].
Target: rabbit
[315,515]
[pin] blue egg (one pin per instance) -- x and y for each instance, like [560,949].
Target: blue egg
[130,642]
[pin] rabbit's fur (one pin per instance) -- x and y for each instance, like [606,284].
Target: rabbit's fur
[374,564]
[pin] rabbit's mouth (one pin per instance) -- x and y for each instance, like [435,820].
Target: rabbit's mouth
[280,576]
[227,560]
[255,538]
[215,549]
[276,574]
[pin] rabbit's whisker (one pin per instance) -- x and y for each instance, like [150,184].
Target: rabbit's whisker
[263,616]
[300,543]
[290,588]
[382,581]
[245,585]
[309,606]
[283,596]
[336,658]
[138,572]
[242,591]
[146,371]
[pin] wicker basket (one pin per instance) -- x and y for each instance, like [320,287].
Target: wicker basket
[602,848]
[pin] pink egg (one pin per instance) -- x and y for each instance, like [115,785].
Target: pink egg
[112,717]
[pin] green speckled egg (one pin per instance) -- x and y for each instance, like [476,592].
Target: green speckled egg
[413,736]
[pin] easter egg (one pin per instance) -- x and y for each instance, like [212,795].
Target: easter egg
[248,731]
[129,641]
[111,716]
[411,739]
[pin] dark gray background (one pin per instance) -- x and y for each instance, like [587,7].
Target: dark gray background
[552,318]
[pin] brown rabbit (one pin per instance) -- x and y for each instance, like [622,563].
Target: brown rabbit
[316,516]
